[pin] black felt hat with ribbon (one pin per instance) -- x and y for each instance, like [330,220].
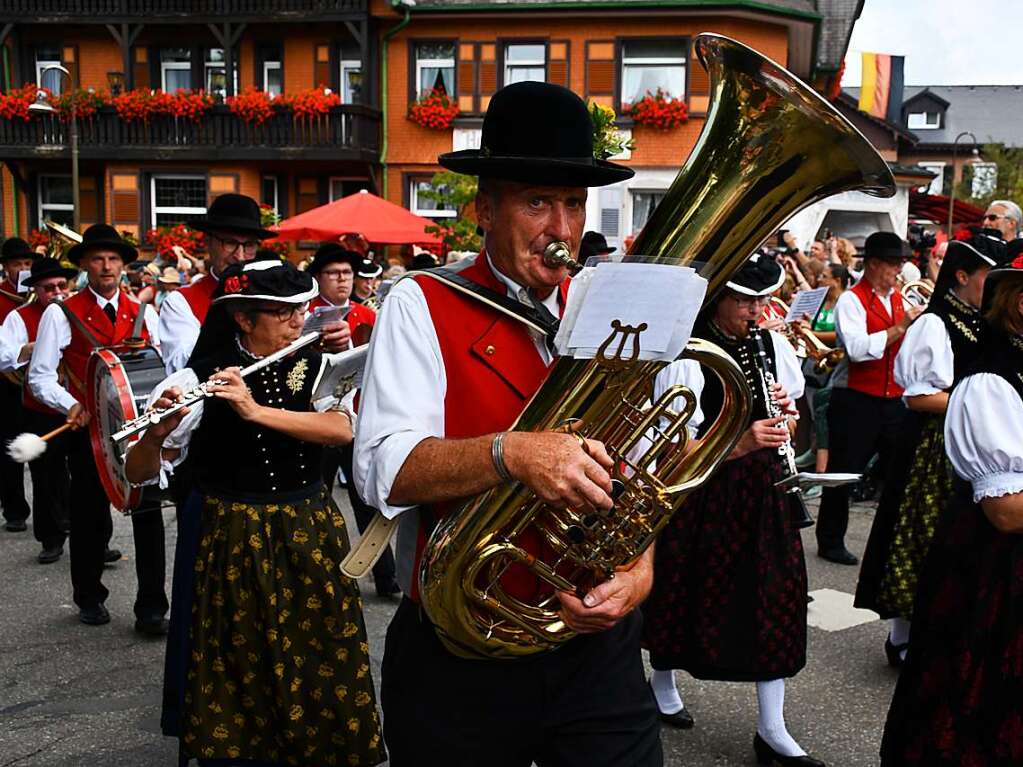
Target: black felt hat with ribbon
[233,213]
[368,269]
[760,276]
[102,237]
[15,247]
[593,244]
[885,246]
[537,133]
[332,253]
[277,281]
[45,268]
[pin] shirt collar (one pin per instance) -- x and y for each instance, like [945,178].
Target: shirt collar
[328,302]
[104,301]
[516,291]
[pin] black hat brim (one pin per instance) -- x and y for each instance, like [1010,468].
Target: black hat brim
[127,252]
[65,272]
[534,170]
[226,225]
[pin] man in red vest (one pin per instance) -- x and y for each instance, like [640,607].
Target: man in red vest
[100,315]
[448,373]
[49,283]
[17,257]
[866,404]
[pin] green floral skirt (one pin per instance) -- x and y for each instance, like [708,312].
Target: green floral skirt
[928,488]
[279,667]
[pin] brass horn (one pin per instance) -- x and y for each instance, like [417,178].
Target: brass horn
[60,234]
[770,146]
[807,344]
[917,292]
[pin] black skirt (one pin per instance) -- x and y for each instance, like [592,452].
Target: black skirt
[729,595]
[959,700]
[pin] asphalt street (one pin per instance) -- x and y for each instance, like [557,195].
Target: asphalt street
[72,695]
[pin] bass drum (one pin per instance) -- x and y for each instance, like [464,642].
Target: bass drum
[119,382]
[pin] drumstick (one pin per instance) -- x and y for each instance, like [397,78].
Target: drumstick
[28,446]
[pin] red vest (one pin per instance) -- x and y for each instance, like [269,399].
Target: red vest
[76,355]
[876,377]
[492,369]
[199,296]
[31,314]
[10,299]
[358,316]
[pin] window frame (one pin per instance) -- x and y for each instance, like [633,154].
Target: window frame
[414,64]
[208,66]
[165,66]
[411,193]
[502,53]
[926,125]
[632,205]
[268,66]
[344,65]
[685,44]
[277,191]
[188,211]
[41,206]
[41,64]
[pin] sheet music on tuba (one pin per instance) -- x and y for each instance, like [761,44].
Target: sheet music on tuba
[665,297]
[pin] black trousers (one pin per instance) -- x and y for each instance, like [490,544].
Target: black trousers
[334,457]
[12,474]
[51,512]
[586,704]
[859,425]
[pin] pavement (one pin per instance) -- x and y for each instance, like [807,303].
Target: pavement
[73,695]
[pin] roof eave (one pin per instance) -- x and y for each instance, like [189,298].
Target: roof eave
[755,5]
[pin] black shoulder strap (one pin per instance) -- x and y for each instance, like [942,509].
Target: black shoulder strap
[527,315]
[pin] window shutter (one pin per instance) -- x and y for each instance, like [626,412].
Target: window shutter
[88,199]
[467,64]
[140,67]
[557,63]
[69,59]
[600,71]
[124,194]
[611,215]
[321,65]
[698,85]
[488,74]
[308,194]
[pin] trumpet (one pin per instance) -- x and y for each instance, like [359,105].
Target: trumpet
[807,344]
[917,293]
[204,390]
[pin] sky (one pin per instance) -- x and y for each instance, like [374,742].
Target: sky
[945,42]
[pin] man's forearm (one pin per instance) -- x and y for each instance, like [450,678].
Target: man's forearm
[439,470]
[894,333]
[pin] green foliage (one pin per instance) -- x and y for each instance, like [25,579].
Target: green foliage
[1009,180]
[454,191]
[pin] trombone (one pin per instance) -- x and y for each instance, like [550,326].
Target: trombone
[807,344]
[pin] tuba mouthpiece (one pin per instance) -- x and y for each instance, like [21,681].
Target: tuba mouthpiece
[558,254]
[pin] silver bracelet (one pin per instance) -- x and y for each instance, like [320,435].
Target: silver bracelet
[497,456]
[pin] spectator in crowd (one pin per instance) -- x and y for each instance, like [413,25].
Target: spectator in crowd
[168,282]
[1006,217]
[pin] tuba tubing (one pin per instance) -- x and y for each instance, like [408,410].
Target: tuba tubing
[770,146]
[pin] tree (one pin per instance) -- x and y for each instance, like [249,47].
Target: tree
[1008,180]
[454,191]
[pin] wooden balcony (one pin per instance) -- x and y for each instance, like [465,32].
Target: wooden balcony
[347,132]
[177,11]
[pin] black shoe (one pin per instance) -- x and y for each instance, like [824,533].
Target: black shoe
[840,555]
[94,616]
[155,627]
[894,652]
[16,526]
[50,554]
[388,590]
[683,720]
[767,755]
[111,555]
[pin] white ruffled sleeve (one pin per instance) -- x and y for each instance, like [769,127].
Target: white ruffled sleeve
[924,364]
[682,373]
[984,435]
[179,439]
[789,367]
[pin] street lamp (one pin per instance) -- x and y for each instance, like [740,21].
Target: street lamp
[952,191]
[42,106]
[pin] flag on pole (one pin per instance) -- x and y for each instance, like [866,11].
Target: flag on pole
[882,86]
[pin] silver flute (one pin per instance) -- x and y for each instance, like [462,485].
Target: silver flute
[204,390]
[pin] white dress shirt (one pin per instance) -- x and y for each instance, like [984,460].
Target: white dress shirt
[851,326]
[179,330]
[984,435]
[13,336]
[404,352]
[53,337]
[925,363]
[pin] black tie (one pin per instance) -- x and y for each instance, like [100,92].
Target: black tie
[548,319]
[111,313]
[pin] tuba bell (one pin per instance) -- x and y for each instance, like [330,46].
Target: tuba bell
[770,146]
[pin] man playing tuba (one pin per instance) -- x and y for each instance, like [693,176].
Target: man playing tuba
[466,371]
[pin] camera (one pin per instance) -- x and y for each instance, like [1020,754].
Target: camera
[920,239]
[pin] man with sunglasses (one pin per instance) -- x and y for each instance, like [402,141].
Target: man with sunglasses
[1006,217]
[50,512]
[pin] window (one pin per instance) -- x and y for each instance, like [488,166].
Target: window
[273,78]
[177,199]
[643,204]
[56,200]
[175,69]
[49,56]
[351,81]
[525,62]
[421,206]
[216,72]
[924,120]
[937,184]
[649,65]
[435,68]
[983,179]
[269,193]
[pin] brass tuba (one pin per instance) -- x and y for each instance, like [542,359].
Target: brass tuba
[770,146]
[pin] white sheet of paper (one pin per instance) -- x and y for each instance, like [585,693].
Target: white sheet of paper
[666,298]
[806,302]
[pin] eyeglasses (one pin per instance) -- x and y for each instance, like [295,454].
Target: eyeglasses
[750,300]
[992,216]
[284,313]
[338,274]
[54,288]
[231,246]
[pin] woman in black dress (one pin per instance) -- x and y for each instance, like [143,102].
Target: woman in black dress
[729,595]
[959,699]
[269,663]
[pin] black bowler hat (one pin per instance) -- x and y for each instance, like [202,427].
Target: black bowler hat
[277,281]
[332,253]
[102,236]
[537,133]
[593,244]
[233,213]
[15,247]
[44,268]
[885,246]
[760,276]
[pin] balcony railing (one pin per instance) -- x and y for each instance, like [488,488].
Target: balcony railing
[349,131]
[154,11]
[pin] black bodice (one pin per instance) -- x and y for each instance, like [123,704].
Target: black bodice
[967,330]
[236,457]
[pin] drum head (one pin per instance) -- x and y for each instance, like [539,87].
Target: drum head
[119,382]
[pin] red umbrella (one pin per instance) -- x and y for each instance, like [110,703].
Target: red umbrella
[376,219]
[935,208]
